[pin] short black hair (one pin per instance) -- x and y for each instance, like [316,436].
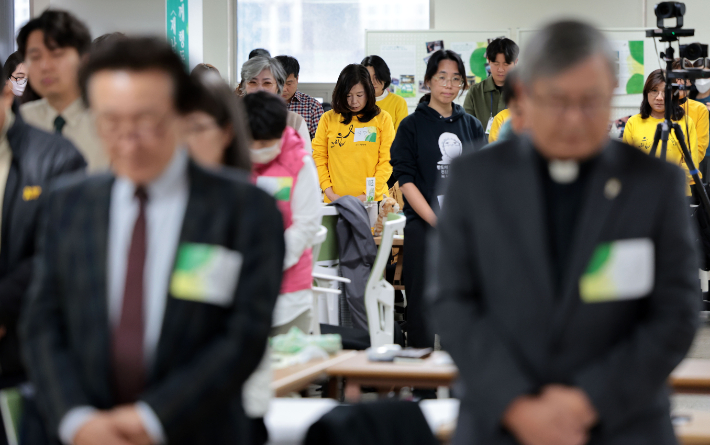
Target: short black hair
[505,46]
[202,68]
[290,65]
[432,68]
[352,75]
[105,39]
[382,71]
[61,30]
[267,114]
[11,64]
[654,79]
[141,54]
[259,52]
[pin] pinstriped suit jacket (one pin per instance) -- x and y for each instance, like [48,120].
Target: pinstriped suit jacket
[205,352]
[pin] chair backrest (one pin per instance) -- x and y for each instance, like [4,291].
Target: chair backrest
[318,240]
[11,409]
[329,246]
[379,294]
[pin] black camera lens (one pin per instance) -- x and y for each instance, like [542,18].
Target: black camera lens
[693,51]
[667,10]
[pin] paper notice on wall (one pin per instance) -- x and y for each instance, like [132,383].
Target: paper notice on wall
[402,62]
[629,66]
[473,55]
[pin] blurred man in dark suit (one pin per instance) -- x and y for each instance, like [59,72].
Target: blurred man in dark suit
[30,159]
[154,285]
[566,281]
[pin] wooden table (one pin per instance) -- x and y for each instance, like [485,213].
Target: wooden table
[692,376]
[297,377]
[696,431]
[398,252]
[358,371]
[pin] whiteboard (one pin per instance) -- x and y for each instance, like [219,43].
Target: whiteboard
[374,40]
[627,104]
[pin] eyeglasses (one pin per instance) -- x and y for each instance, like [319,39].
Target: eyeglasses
[559,107]
[19,80]
[456,81]
[143,126]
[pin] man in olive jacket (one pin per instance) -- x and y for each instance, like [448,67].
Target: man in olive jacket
[485,99]
[30,159]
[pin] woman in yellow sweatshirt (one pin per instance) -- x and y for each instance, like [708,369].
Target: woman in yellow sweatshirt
[353,139]
[641,128]
[395,105]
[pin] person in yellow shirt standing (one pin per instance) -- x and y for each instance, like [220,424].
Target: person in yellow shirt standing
[381,78]
[353,140]
[641,128]
[697,111]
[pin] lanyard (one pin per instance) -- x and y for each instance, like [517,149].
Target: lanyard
[491,93]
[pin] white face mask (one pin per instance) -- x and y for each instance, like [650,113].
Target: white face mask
[703,85]
[17,89]
[266,154]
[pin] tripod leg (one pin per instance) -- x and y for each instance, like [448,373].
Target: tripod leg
[656,138]
[692,168]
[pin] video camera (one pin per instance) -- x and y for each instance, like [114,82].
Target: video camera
[694,56]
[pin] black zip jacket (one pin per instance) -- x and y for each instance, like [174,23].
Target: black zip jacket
[38,158]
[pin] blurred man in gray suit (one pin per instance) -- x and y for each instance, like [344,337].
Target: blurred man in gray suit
[565,271]
[154,285]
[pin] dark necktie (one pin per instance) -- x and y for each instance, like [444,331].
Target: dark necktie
[59,124]
[127,343]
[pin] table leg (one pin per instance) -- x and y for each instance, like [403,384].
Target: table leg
[334,388]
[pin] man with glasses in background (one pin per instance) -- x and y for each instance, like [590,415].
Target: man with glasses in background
[565,284]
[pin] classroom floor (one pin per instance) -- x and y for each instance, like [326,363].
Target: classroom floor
[700,349]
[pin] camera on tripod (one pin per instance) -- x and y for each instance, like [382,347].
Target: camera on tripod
[694,64]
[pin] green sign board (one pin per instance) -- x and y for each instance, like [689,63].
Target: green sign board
[178,29]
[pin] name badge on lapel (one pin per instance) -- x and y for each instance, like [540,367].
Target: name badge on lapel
[277,186]
[206,273]
[31,192]
[619,270]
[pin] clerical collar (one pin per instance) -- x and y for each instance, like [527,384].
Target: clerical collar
[564,172]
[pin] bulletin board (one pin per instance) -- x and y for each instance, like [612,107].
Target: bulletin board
[405,53]
[624,104]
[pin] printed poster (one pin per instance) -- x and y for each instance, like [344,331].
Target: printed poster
[473,55]
[178,29]
[629,66]
[402,62]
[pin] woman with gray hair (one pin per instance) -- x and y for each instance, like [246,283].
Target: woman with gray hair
[266,74]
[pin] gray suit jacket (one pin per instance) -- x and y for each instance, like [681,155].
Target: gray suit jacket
[510,333]
[205,352]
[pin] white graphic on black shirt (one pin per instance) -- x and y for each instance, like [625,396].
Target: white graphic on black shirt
[451,148]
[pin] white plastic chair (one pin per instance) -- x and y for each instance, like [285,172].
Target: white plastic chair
[321,279]
[379,294]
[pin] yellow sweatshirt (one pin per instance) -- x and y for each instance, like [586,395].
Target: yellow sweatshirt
[396,106]
[639,133]
[498,122]
[346,155]
[699,113]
